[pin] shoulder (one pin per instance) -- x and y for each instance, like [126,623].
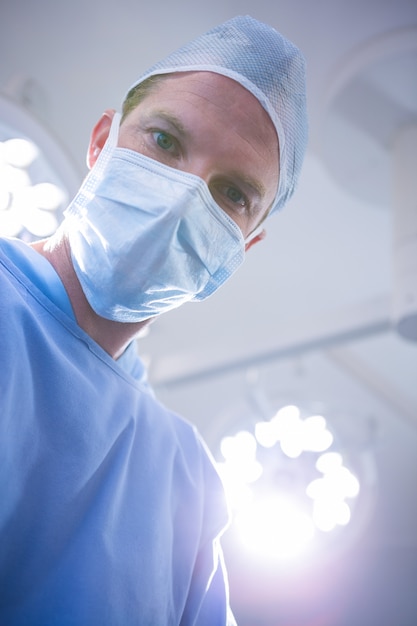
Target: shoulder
[217,515]
[196,460]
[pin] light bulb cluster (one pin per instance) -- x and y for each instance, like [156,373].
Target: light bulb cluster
[271,517]
[295,435]
[330,492]
[28,205]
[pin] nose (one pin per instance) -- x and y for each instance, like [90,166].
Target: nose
[199,166]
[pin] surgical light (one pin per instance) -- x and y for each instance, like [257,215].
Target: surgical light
[19,152]
[240,456]
[36,177]
[274,527]
[294,434]
[271,515]
[26,205]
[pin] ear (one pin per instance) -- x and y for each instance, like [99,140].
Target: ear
[98,136]
[258,237]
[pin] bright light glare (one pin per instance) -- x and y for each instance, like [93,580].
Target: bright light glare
[318,441]
[349,484]
[274,528]
[10,225]
[19,152]
[285,420]
[24,205]
[316,437]
[13,178]
[295,435]
[5,198]
[40,223]
[288,430]
[284,426]
[328,513]
[329,492]
[339,484]
[328,462]
[337,476]
[47,196]
[265,434]
[314,423]
[240,455]
[238,448]
[292,444]
[238,493]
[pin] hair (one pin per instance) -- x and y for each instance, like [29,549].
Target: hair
[139,92]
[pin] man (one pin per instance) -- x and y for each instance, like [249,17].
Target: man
[111,507]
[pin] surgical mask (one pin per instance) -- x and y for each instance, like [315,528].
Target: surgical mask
[146,238]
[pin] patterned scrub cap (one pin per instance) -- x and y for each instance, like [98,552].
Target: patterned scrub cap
[270,67]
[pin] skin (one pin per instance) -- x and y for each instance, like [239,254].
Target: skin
[198,122]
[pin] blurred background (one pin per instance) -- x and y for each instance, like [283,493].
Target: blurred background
[301,373]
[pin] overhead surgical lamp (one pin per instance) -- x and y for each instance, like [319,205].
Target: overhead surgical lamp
[292,480]
[36,176]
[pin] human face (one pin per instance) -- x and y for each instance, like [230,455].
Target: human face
[209,125]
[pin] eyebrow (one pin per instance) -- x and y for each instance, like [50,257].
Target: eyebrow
[171,119]
[255,185]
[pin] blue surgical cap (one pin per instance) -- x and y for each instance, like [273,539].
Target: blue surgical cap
[270,67]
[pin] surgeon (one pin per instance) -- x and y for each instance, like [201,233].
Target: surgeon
[111,508]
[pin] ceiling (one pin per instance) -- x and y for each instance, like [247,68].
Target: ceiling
[308,319]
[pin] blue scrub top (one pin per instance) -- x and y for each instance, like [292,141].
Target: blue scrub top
[111,508]
[43,275]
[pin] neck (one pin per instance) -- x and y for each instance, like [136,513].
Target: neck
[113,337]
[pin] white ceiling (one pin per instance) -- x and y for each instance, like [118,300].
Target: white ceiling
[307,319]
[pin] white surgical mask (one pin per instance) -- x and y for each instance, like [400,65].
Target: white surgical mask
[146,238]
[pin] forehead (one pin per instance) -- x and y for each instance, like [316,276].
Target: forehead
[210,86]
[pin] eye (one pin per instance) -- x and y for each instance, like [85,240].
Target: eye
[232,196]
[235,196]
[164,140]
